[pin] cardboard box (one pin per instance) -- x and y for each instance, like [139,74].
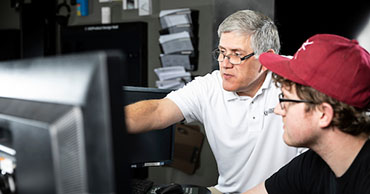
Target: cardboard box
[188,144]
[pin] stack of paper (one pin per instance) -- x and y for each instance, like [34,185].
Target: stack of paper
[178,38]
[176,42]
[175,17]
[175,60]
[173,77]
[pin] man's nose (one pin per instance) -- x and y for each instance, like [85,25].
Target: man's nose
[226,63]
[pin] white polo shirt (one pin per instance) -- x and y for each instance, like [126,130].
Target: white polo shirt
[243,132]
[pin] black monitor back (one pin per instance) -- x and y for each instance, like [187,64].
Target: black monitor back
[153,148]
[62,117]
[130,38]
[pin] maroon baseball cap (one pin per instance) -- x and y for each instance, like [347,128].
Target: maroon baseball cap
[331,64]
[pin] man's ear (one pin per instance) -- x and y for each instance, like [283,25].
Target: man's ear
[264,68]
[327,114]
[268,51]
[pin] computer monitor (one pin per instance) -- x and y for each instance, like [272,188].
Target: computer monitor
[129,37]
[61,125]
[153,148]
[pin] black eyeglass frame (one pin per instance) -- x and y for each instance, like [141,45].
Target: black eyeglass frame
[282,99]
[217,52]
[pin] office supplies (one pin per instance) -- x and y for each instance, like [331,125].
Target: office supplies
[169,60]
[166,73]
[105,15]
[179,38]
[129,4]
[172,77]
[145,7]
[176,42]
[82,7]
[174,17]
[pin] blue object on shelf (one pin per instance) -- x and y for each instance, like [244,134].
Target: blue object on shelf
[82,7]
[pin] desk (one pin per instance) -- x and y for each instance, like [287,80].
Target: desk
[188,189]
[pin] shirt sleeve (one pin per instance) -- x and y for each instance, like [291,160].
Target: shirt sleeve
[189,99]
[192,98]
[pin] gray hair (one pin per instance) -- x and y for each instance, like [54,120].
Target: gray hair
[263,31]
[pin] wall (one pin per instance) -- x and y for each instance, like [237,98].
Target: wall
[9,18]
[9,32]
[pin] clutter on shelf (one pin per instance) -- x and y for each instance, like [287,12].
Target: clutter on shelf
[179,47]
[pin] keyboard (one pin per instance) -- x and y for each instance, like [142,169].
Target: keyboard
[188,189]
[139,186]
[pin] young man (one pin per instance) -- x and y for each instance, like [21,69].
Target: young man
[324,105]
[235,105]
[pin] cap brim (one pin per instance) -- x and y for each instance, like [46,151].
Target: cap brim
[280,65]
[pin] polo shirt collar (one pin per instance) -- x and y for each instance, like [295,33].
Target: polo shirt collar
[230,96]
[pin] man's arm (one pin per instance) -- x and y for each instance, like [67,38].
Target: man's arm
[151,114]
[259,189]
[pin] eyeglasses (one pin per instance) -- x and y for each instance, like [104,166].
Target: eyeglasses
[282,100]
[234,58]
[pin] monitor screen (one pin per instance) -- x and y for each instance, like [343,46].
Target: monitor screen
[61,125]
[153,148]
